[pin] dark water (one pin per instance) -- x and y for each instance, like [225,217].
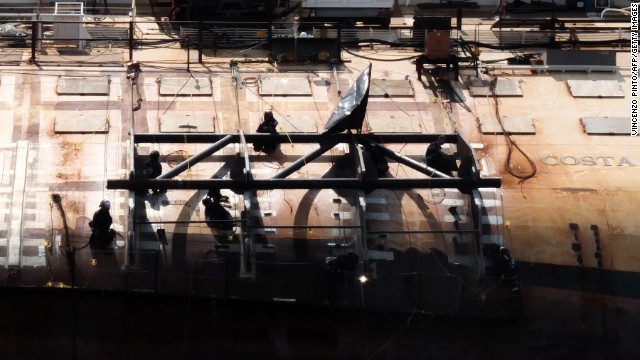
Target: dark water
[70,324]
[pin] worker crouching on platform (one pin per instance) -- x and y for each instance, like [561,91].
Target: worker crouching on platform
[438,159]
[267,126]
[153,168]
[101,233]
[216,215]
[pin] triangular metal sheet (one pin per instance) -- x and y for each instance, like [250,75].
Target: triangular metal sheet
[350,112]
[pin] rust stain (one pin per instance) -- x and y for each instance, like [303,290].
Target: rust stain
[62,176]
[69,152]
[77,175]
[52,134]
[73,207]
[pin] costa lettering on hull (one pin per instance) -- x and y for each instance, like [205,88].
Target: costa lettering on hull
[573,160]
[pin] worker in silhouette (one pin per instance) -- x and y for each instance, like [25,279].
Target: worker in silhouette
[215,195]
[101,235]
[438,159]
[377,157]
[267,126]
[216,215]
[152,168]
[420,61]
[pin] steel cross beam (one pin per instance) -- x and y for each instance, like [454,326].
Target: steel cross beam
[405,160]
[280,180]
[335,183]
[196,138]
[183,166]
[298,164]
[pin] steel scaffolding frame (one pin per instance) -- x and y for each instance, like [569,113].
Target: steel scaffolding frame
[467,181]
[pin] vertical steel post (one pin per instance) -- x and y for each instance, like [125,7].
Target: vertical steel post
[34,39]
[200,42]
[130,247]
[339,42]
[269,35]
[188,54]
[131,40]
[247,251]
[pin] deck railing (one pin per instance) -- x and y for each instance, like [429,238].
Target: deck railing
[130,34]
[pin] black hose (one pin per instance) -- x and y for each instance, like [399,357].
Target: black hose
[548,44]
[376,59]
[469,43]
[511,144]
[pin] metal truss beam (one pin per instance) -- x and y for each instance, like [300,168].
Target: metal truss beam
[196,138]
[298,164]
[336,183]
[280,180]
[405,160]
[183,166]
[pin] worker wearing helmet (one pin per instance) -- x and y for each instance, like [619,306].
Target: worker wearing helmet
[216,215]
[436,158]
[267,126]
[153,168]
[100,225]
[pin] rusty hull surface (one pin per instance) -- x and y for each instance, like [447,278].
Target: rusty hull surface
[576,303]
